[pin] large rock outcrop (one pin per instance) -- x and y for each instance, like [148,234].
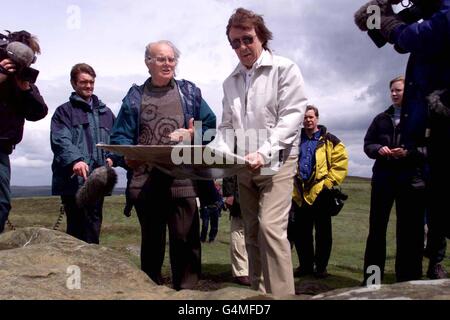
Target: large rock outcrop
[38,263]
[411,290]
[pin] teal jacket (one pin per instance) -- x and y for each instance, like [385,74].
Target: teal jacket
[75,131]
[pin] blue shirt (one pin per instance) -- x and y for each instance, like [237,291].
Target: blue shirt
[307,158]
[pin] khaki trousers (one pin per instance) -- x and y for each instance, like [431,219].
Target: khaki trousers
[238,251]
[265,204]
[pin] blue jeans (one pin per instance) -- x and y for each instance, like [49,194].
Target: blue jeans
[5,189]
[209,215]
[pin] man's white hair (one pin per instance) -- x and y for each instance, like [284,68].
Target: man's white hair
[176,52]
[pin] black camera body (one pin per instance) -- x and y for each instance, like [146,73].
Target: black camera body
[13,46]
[420,9]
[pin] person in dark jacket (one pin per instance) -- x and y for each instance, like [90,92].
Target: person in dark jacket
[322,164]
[426,114]
[392,170]
[19,101]
[76,127]
[238,251]
[211,204]
[426,104]
[160,112]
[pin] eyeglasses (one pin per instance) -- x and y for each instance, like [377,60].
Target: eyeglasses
[246,40]
[162,60]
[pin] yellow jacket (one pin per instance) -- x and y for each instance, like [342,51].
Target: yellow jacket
[330,170]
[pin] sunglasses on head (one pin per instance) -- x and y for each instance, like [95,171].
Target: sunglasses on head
[246,40]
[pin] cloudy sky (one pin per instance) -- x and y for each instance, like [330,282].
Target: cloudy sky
[345,74]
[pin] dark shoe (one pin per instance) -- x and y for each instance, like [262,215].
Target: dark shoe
[436,271]
[158,279]
[243,280]
[321,274]
[302,272]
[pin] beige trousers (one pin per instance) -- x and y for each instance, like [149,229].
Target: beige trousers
[265,203]
[238,251]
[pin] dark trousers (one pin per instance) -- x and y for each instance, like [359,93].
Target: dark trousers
[181,217]
[438,213]
[83,224]
[5,189]
[409,229]
[312,250]
[209,215]
[436,241]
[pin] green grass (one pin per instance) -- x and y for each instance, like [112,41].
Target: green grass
[350,229]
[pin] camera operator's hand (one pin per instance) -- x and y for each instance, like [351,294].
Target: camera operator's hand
[21,84]
[388,19]
[388,24]
[6,68]
[361,16]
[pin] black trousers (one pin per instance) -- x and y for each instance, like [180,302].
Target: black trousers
[209,215]
[410,208]
[83,224]
[436,240]
[5,189]
[312,250]
[182,218]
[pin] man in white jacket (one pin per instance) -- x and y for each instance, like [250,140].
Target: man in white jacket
[262,111]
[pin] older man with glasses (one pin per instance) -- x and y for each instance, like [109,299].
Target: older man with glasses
[263,95]
[150,114]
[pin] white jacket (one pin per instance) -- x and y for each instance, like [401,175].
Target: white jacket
[273,110]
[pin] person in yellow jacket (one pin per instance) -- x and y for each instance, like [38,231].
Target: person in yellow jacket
[322,164]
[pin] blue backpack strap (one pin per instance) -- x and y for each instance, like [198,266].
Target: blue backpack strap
[191,100]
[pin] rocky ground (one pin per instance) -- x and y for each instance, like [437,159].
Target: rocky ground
[38,263]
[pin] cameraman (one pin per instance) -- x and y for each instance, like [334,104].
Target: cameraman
[424,124]
[19,101]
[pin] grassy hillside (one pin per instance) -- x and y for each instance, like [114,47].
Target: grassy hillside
[350,229]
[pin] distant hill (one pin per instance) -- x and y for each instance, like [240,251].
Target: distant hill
[46,191]
[42,191]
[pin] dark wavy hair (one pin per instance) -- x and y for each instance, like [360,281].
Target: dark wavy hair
[26,38]
[81,68]
[245,19]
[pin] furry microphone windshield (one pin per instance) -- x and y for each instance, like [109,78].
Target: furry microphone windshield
[100,183]
[20,54]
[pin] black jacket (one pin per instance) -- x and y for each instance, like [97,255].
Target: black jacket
[16,106]
[230,189]
[383,132]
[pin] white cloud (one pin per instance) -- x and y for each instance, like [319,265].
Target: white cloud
[24,162]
